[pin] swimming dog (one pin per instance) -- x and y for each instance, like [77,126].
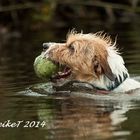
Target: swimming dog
[91,58]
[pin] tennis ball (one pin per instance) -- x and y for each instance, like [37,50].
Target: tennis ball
[44,68]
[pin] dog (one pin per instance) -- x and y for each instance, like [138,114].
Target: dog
[92,58]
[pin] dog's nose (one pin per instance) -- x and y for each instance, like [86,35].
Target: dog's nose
[46,46]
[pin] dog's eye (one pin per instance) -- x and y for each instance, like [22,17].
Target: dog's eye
[71,47]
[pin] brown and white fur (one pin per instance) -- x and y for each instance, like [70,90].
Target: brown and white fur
[92,58]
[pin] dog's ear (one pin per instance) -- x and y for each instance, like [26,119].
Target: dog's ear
[101,66]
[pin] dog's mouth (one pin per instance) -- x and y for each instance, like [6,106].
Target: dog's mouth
[64,72]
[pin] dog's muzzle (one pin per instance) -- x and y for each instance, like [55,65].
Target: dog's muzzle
[47,47]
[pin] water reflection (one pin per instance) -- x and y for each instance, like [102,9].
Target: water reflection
[80,119]
[69,117]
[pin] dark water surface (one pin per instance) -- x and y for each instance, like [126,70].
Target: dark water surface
[65,117]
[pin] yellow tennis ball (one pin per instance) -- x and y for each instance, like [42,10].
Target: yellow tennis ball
[44,68]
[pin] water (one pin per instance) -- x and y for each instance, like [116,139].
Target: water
[61,116]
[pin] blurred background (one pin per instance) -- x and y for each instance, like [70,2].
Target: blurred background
[24,26]
[34,14]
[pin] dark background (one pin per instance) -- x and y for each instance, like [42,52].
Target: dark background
[23,15]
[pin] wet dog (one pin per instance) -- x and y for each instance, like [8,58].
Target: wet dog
[91,58]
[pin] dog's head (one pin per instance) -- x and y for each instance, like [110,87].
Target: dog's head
[83,56]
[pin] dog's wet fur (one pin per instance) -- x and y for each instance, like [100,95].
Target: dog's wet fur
[91,58]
